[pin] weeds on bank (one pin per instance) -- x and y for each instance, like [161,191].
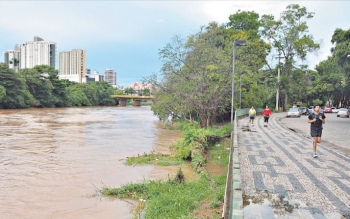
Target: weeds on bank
[153,158]
[172,198]
[177,198]
[197,141]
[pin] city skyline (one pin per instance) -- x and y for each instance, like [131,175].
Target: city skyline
[129,42]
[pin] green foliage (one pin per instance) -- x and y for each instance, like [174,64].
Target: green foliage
[41,87]
[219,153]
[119,92]
[152,158]
[167,200]
[197,71]
[197,141]
[129,90]
[289,36]
[2,92]
[15,87]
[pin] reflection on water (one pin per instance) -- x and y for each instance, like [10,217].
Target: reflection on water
[52,159]
[265,204]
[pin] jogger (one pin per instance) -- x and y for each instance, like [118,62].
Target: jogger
[266,113]
[317,120]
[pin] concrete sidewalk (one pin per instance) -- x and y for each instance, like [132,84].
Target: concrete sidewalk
[281,179]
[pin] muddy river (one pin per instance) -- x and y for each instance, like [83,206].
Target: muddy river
[52,160]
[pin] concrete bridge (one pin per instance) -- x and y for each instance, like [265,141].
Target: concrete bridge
[137,99]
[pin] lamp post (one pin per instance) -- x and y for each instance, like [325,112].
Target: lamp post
[235,43]
[240,89]
[278,81]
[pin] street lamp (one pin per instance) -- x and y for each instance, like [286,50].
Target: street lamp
[240,89]
[278,81]
[235,43]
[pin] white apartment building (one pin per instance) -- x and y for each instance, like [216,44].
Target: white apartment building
[38,52]
[73,65]
[111,77]
[12,58]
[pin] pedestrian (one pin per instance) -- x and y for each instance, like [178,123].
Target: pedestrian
[169,120]
[317,120]
[252,114]
[266,113]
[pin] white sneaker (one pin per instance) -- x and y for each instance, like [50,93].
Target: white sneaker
[315,155]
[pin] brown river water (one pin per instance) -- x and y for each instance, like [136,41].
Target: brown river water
[52,160]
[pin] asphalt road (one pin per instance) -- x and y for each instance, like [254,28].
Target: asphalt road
[335,135]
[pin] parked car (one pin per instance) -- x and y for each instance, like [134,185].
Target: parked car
[327,110]
[310,109]
[343,112]
[303,111]
[294,112]
[334,110]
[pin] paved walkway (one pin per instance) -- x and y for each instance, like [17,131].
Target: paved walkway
[281,179]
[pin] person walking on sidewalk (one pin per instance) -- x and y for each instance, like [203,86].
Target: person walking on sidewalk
[252,114]
[266,113]
[317,120]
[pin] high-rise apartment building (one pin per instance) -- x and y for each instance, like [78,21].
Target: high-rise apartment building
[73,65]
[12,58]
[111,77]
[38,52]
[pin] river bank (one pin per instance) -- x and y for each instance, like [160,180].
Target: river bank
[180,196]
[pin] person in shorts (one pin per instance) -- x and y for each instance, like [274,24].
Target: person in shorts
[252,114]
[266,113]
[317,120]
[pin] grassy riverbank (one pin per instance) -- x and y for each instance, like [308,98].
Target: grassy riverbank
[178,197]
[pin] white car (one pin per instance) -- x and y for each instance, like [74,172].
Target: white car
[334,110]
[343,112]
[294,112]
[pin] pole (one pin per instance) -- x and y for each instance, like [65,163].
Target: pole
[278,84]
[233,82]
[278,79]
[240,91]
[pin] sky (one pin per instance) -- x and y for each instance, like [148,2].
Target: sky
[126,36]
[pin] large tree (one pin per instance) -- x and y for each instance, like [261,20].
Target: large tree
[341,55]
[289,36]
[197,72]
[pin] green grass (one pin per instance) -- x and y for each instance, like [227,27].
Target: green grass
[169,200]
[219,153]
[155,159]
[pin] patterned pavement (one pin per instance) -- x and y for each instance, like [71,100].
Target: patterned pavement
[281,179]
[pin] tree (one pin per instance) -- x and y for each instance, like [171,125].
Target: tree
[197,73]
[340,53]
[2,92]
[39,86]
[16,90]
[129,90]
[289,36]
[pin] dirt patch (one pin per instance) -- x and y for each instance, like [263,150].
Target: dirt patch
[205,211]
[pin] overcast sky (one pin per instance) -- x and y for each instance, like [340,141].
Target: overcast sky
[127,35]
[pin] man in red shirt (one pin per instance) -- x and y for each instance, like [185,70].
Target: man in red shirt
[266,113]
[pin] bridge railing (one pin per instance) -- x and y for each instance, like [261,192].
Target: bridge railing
[233,200]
